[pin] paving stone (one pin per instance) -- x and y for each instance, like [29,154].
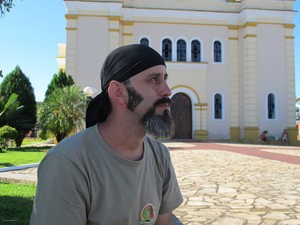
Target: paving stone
[277,206]
[245,196]
[268,222]
[276,216]
[289,222]
[208,190]
[230,220]
[223,190]
[200,204]
[262,201]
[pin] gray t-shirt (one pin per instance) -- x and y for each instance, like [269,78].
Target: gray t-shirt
[83,181]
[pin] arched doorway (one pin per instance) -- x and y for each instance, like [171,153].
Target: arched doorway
[181,110]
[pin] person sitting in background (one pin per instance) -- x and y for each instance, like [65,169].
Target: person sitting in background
[285,137]
[265,136]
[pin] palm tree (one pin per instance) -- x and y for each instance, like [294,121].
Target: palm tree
[9,109]
[63,112]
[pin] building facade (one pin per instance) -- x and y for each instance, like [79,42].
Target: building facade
[230,62]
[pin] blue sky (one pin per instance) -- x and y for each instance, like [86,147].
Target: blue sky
[28,37]
[30,32]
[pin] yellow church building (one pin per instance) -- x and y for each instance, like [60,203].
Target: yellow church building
[230,62]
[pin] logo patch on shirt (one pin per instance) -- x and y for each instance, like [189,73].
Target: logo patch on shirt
[147,213]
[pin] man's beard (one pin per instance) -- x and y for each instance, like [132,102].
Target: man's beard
[160,126]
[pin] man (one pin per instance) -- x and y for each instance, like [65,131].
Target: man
[115,172]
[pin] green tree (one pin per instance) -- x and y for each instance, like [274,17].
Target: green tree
[63,112]
[5,6]
[9,109]
[24,121]
[59,80]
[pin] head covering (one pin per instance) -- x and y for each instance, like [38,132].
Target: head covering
[121,64]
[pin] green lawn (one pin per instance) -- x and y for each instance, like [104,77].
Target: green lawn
[16,203]
[16,199]
[28,141]
[18,157]
[31,141]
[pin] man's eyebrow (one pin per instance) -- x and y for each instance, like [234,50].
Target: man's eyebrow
[151,75]
[166,76]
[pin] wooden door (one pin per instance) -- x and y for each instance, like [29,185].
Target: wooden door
[181,110]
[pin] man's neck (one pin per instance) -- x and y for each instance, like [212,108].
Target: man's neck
[127,141]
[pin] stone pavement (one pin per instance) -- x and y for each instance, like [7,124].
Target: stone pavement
[229,184]
[225,184]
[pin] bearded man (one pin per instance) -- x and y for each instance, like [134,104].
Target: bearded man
[115,172]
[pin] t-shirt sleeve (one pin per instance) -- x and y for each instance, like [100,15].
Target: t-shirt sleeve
[62,196]
[171,196]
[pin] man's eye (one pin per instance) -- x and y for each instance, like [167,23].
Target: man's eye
[154,79]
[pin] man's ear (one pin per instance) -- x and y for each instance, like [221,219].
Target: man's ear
[116,91]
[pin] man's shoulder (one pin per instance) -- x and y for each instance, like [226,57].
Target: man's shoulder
[75,142]
[155,142]
[157,147]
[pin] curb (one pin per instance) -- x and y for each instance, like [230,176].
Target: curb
[22,167]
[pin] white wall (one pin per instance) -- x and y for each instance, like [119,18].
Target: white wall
[271,76]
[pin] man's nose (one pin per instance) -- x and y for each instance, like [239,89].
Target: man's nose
[166,91]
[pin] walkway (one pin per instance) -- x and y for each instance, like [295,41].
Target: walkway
[230,184]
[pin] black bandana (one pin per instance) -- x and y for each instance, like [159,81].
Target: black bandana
[121,64]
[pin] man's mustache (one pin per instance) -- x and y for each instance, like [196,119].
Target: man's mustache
[162,101]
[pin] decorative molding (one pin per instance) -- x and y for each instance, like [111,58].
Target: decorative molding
[127,23]
[128,34]
[250,36]
[71,28]
[289,26]
[233,27]
[289,37]
[114,18]
[250,24]
[71,16]
[190,88]
[114,30]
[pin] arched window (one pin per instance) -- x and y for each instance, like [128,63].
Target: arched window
[195,51]
[271,106]
[218,106]
[144,41]
[181,51]
[167,50]
[217,51]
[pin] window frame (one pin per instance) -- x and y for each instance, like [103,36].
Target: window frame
[172,49]
[183,52]
[275,105]
[144,37]
[221,49]
[221,108]
[200,50]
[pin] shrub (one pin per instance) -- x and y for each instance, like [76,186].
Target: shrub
[3,145]
[7,132]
